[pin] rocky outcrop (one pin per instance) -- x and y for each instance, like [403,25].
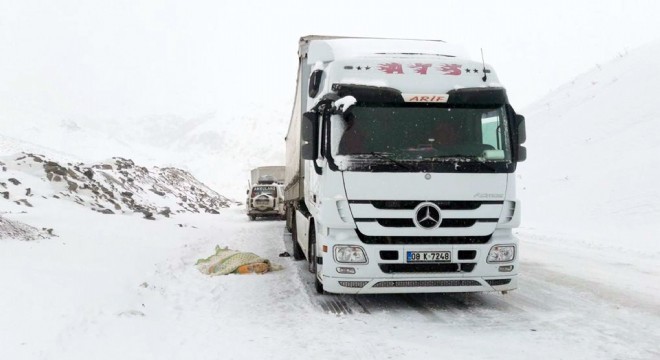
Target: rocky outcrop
[16,230]
[118,186]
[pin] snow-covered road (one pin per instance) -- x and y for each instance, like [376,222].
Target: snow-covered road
[137,295]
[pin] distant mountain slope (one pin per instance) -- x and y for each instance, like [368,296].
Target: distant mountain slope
[111,187]
[16,230]
[218,148]
[30,182]
[593,169]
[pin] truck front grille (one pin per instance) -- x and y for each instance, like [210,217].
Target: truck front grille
[426,283]
[426,268]
[443,240]
[411,204]
[446,223]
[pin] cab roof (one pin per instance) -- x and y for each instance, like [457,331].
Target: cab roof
[330,48]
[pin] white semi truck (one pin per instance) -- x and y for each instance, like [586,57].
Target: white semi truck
[400,168]
[265,196]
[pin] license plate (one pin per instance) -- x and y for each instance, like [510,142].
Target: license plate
[428,256]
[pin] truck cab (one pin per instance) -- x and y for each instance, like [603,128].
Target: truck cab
[400,177]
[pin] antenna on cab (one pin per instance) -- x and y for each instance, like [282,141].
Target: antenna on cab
[484,63]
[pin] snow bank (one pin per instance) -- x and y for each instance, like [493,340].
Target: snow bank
[592,170]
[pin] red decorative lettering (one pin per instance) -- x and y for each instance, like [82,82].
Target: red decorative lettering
[414,98]
[424,98]
[420,68]
[450,69]
[391,68]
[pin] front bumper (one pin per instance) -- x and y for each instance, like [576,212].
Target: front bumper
[258,212]
[430,284]
[379,276]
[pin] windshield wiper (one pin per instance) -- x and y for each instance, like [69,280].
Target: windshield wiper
[453,157]
[456,159]
[388,158]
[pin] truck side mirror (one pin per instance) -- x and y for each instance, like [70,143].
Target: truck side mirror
[310,135]
[522,153]
[315,83]
[520,124]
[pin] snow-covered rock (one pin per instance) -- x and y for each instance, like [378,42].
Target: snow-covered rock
[219,148]
[10,229]
[117,186]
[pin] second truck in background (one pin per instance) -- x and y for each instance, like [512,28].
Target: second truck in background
[265,196]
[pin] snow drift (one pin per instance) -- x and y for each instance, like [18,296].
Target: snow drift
[592,170]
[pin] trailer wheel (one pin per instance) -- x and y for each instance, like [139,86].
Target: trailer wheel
[287,217]
[313,266]
[297,251]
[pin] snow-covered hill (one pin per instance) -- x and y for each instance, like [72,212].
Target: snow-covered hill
[593,168]
[115,186]
[32,184]
[218,148]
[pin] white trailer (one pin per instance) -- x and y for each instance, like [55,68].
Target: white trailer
[267,173]
[400,168]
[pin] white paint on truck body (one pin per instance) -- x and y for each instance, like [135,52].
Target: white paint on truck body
[380,211]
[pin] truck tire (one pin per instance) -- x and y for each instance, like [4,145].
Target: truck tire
[287,217]
[313,266]
[252,217]
[297,251]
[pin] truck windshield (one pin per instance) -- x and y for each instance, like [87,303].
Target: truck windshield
[423,132]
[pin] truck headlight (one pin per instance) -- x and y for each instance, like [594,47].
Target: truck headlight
[501,253]
[350,254]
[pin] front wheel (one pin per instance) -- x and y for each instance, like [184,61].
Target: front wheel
[297,251]
[253,217]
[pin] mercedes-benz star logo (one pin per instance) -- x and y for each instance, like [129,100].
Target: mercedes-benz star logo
[427,215]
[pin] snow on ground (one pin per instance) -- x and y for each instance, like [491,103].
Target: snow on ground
[16,230]
[121,287]
[129,289]
[593,168]
[591,203]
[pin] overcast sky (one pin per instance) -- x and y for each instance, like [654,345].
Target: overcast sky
[130,58]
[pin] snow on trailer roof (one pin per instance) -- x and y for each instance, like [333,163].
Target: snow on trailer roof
[330,48]
[411,66]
